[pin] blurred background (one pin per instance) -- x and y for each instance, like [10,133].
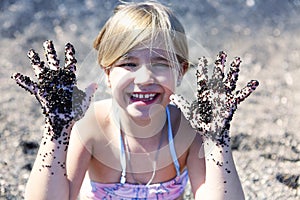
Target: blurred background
[264,33]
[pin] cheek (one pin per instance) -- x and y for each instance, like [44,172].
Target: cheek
[168,81]
[119,81]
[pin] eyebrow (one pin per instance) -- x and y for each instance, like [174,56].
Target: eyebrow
[158,58]
[154,58]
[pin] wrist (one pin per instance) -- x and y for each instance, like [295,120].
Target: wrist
[58,131]
[217,153]
[219,138]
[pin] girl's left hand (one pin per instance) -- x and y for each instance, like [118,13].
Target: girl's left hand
[216,101]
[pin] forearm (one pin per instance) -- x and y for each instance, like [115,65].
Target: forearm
[62,103]
[211,114]
[221,180]
[48,178]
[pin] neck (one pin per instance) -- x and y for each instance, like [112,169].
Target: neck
[142,128]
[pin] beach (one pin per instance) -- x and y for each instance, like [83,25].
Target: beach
[264,34]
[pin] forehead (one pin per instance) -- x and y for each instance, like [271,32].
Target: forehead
[146,52]
[152,48]
[156,45]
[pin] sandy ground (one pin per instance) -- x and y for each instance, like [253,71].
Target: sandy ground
[265,34]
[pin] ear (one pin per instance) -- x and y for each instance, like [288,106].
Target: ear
[107,77]
[184,68]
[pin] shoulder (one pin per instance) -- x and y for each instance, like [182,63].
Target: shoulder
[97,131]
[179,121]
[97,113]
[92,126]
[184,135]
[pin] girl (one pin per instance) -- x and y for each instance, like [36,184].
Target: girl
[135,145]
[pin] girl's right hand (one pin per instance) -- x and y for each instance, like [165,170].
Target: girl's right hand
[62,102]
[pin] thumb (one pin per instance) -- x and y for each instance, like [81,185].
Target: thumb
[89,91]
[182,104]
[82,100]
[242,94]
[25,82]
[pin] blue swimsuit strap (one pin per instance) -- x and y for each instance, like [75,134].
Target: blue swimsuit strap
[171,146]
[171,143]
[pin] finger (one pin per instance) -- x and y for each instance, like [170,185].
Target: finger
[90,91]
[201,75]
[182,104]
[51,56]
[70,60]
[233,74]
[242,94]
[86,101]
[218,72]
[26,83]
[219,66]
[35,62]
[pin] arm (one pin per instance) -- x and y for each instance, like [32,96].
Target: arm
[210,115]
[48,179]
[62,104]
[66,169]
[212,181]
[78,160]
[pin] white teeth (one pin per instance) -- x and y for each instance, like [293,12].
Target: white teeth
[144,96]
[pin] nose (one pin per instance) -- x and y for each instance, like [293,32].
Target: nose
[143,75]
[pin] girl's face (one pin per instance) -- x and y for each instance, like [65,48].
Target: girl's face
[142,81]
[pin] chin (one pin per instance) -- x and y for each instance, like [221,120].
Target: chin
[145,113]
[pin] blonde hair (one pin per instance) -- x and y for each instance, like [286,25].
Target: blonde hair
[134,23]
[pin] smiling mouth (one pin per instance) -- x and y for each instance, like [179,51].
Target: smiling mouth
[145,97]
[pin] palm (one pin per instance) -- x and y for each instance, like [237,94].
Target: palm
[216,101]
[62,102]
